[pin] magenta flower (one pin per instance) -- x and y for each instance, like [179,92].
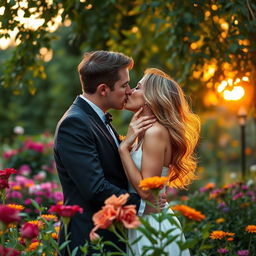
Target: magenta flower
[222,250]
[243,253]
[238,195]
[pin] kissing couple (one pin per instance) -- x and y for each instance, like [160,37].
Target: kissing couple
[93,164]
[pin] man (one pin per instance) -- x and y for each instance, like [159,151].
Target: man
[86,145]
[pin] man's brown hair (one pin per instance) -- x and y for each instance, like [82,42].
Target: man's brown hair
[102,67]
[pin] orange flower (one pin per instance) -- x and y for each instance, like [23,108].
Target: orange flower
[230,239]
[250,229]
[117,201]
[16,206]
[128,216]
[209,186]
[189,212]
[121,137]
[38,223]
[54,236]
[230,234]
[155,182]
[49,217]
[218,234]
[33,246]
[93,235]
[16,187]
[220,220]
[103,218]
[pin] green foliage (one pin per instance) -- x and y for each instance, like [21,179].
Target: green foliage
[158,33]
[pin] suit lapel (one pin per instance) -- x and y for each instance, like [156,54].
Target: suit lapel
[96,120]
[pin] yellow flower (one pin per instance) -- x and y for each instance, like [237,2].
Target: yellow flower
[250,229]
[16,206]
[121,137]
[220,220]
[155,182]
[189,212]
[49,217]
[218,234]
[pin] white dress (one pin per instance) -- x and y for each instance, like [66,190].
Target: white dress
[172,249]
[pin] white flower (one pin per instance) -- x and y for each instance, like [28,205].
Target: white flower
[18,130]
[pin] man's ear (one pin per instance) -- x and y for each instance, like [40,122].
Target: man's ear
[103,89]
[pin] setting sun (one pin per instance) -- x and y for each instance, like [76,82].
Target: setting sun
[236,93]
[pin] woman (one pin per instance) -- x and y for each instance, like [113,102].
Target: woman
[164,148]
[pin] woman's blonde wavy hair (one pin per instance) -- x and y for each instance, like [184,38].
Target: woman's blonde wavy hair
[168,103]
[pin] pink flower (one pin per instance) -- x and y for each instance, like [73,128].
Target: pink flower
[29,231]
[222,250]
[8,214]
[10,153]
[66,210]
[58,196]
[243,253]
[238,195]
[8,251]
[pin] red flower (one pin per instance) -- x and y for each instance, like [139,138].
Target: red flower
[5,174]
[4,184]
[29,231]
[8,214]
[8,251]
[65,210]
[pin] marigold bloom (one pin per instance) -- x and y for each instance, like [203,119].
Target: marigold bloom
[189,212]
[54,236]
[16,187]
[117,201]
[33,246]
[18,207]
[220,220]
[38,223]
[230,234]
[65,210]
[230,239]
[49,217]
[103,218]
[128,216]
[250,229]
[218,234]
[8,214]
[121,137]
[154,182]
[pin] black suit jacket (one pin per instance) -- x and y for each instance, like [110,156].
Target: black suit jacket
[89,169]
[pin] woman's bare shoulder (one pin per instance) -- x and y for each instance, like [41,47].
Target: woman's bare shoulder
[157,131]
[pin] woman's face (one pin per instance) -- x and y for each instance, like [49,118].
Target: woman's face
[136,99]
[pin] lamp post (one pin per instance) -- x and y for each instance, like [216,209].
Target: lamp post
[242,115]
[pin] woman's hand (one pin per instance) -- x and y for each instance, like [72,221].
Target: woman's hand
[137,126]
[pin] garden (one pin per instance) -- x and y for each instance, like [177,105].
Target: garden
[208,47]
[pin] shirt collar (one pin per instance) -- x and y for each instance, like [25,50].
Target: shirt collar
[99,111]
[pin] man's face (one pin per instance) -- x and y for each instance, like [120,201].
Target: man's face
[119,96]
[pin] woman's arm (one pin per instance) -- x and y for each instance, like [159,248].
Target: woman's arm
[152,159]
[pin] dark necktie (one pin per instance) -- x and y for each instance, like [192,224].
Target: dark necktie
[108,118]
